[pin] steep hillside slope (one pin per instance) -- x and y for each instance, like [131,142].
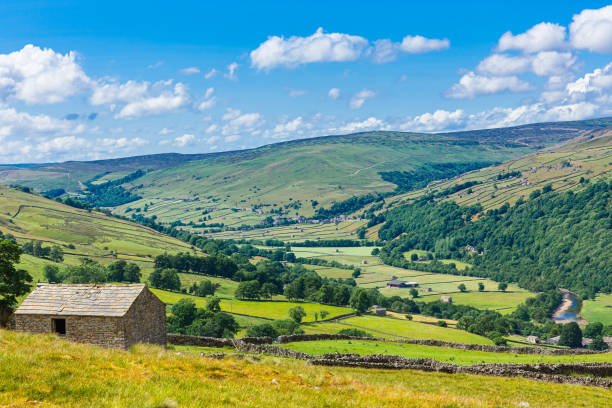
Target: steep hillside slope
[80,233]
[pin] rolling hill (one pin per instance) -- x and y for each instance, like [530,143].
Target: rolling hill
[244,187]
[80,233]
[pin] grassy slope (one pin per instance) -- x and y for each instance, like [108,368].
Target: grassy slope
[588,157]
[598,310]
[95,235]
[57,373]
[455,356]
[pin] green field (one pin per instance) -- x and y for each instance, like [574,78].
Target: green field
[65,374]
[450,355]
[598,310]
[374,274]
[297,232]
[94,235]
[395,328]
[275,309]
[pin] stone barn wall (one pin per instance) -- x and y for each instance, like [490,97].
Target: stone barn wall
[97,330]
[145,322]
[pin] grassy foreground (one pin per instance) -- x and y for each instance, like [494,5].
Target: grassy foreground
[44,371]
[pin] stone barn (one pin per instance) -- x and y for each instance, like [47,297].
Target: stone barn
[104,315]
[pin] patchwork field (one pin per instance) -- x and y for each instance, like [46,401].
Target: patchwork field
[374,274]
[92,234]
[74,375]
[275,309]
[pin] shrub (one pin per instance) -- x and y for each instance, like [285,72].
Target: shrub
[355,332]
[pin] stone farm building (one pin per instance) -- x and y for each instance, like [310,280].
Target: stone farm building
[401,284]
[104,315]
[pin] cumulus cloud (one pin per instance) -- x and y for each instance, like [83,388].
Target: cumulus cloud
[238,123]
[596,85]
[335,47]
[334,93]
[360,97]
[25,124]
[503,65]
[439,120]
[40,76]
[165,131]
[190,71]
[386,50]
[184,140]
[472,85]
[318,47]
[418,44]
[592,30]
[370,123]
[141,98]
[540,37]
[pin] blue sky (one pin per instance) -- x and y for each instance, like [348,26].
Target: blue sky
[80,80]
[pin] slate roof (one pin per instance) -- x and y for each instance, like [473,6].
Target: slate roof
[80,300]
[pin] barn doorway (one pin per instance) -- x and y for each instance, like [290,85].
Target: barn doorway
[59,326]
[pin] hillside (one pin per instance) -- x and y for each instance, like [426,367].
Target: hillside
[288,178]
[80,233]
[74,375]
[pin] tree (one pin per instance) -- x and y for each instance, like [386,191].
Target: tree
[132,273]
[356,273]
[213,304]
[462,287]
[414,293]
[502,286]
[262,330]
[571,335]
[52,274]
[248,290]
[116,271]
[13,282]
[56,254]
[185,311]
[323,314]
[165,279]
[598,344]
[480,286]
[87,272]
[414,257]
[297,313]
[593,330]
[360,301]
[268,289]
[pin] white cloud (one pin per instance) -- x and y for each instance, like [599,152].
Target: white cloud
[334,93]
[40,76]
[503,65]
[121,143]
[370,123]
[336,47]
[184,140]
[141,98]
[190,71]
[592,30]
[318,47]
[165,131]
[471,85]
[238,122]
[24,124]
[418,44]
[231,71]
[213,72]
[294,127]
[553,63]
[212,139]
[439,120]
[594,85]
[540,37]
[209,100]
[360,97]
[212,128]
